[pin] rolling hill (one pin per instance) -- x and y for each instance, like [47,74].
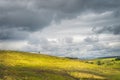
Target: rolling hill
[16,65]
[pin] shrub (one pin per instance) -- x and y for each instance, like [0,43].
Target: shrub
[99,63]
[117,58]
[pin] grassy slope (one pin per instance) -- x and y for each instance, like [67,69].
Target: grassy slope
[27,66]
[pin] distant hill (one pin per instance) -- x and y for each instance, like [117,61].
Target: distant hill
[16,65]
[108,57]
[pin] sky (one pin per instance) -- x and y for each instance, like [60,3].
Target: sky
[69,28]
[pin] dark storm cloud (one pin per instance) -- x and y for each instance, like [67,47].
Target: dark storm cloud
[33,15]
[73,6]
[12,34]
[65,9]
[36,14]
[25,19]
[115,29]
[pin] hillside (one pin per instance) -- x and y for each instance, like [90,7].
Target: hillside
[15,65]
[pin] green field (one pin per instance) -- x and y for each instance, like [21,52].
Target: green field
[15,65]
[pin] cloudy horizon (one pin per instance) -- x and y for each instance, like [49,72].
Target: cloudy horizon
[71,28]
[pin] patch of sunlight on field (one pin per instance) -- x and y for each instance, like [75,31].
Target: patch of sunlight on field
[82,75]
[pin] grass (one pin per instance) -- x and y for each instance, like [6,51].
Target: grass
[15,65]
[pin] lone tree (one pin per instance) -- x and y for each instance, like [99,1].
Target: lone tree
[39,52]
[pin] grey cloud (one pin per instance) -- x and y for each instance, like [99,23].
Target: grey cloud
[26,19]
[41,43]
[34,15]
[66,40]
[69,40]
[37,41]
[70,9]
[17,19]
[91,39]
[13,34]
[115,29]
[78,5]
[117,14]
[20,14]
